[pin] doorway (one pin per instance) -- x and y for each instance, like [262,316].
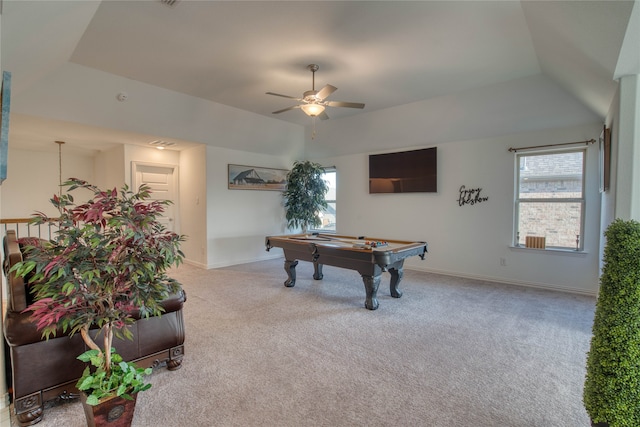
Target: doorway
[162,180]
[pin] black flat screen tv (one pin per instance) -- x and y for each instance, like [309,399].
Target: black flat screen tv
[414,171]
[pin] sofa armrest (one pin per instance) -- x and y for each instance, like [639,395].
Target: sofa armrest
[20,329]
[172,303]
[17,289]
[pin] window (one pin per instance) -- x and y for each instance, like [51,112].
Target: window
[328,216]
[549,200]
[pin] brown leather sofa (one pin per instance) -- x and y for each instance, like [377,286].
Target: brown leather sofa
[40,370]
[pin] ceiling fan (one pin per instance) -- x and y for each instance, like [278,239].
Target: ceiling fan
[314,101]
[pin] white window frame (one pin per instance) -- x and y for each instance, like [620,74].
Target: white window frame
[331,169]
[580,200]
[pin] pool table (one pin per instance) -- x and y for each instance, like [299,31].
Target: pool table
[368,256]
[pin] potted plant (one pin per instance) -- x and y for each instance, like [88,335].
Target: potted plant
[108,260]
[304,197]
[612,385]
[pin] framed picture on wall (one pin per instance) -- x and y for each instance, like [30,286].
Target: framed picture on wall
[605,158]
[241,177]
[5,101]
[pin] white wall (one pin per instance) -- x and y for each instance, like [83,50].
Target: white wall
[110,168]
[222,226]
[33,178]
[501,109]
[466,240]
[78,94]
[608,198]
[4,396]
[193,204]
[470,240]
[239,220]
[628,155]
[234,234]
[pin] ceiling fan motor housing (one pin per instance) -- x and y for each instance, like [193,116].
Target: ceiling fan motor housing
[314,100]
[310,96]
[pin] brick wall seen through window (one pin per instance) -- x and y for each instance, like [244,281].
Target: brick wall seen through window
[550,198]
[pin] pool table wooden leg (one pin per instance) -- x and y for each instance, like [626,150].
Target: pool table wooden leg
[317,271]
[290,268]
[396,277]
[371,284]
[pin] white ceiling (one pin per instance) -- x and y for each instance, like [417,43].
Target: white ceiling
[381,53]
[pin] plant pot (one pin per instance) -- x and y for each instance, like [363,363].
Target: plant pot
[112,412]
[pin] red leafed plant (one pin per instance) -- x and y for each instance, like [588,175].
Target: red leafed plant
[108,259]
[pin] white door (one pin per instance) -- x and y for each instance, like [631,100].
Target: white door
[162,181]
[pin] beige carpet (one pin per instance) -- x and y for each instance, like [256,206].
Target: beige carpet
[450,352]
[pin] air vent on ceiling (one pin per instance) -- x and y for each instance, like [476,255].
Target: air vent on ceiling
[170,3]
[161,144]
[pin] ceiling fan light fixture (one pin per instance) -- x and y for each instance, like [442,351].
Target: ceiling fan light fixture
[312,110]
[313,102]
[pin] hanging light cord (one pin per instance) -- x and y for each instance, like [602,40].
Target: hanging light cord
[313,127]
[60,166]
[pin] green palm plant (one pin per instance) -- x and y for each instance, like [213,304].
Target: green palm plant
[304,197]
[107,262]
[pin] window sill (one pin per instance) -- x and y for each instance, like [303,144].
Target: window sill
[554,251]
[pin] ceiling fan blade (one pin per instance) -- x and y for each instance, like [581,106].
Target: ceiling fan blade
[323,116]
[286,109]
[325,91]
[345,104]
[284,96]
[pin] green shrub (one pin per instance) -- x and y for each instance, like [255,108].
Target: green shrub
[612,384]
[304,195]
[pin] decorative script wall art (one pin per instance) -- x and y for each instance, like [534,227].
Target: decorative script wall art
[471,196]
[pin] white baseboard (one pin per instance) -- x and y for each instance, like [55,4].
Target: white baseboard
[244,261]
[5,411]
[429,270]
[195,263]
[508,282]
[229,264]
